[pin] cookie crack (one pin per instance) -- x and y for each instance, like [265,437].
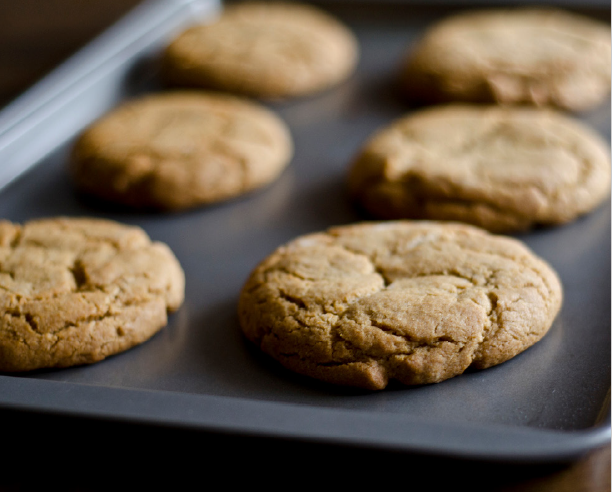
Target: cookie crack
[494,325]
[16,240]
[413,340]
[78,272]
[358,355]
[296,301]
[376,268]
[520,260]
[14,312]
[449,273]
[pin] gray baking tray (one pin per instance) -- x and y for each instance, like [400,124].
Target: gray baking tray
[549,404]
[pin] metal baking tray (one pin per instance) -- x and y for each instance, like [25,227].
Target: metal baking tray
[549,404]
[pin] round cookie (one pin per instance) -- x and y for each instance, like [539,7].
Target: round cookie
[501,168]
[74,291]
[264,49]
[418,302]
[522,56]
[178,150]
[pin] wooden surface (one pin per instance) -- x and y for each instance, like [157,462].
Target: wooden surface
[35,36]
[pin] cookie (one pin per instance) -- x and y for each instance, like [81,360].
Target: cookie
[501,168]
[543,57]
[416,302]
[264,49]
[75,290]
[177,150]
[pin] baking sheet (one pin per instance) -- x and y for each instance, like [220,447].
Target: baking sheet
[549,403]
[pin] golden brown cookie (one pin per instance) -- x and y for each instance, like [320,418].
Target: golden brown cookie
[522,56]
[264,49]
[74,291]
[418,302]
[181,149]
[501,168]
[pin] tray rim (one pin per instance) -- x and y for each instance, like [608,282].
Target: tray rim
[319,424]
[234,415]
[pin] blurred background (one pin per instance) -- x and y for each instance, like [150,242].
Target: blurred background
[36,35]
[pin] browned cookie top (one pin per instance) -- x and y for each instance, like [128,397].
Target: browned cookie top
[524,56]
[73,291]
[181,149]
[264,49]
[419,302]
[504,169]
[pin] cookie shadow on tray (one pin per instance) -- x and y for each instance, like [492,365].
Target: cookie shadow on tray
[268,198]
[142,77]
[328,204]
[230,365]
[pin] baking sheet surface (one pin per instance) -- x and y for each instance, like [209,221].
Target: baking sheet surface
[561,383]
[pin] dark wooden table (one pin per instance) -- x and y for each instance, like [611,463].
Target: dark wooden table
[36,35]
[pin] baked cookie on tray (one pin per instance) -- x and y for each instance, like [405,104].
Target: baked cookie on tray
[177,150]
[520,56]
[76,290]
[502,168]
[264,49]
[417,302]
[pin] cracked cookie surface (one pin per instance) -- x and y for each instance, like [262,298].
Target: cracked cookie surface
[417,302]
[542,57]
[264,49]
[74,291]
[182,149]
[504,169]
